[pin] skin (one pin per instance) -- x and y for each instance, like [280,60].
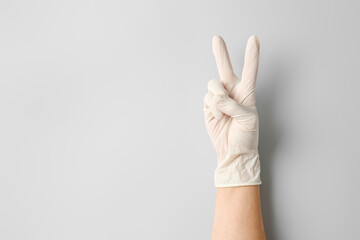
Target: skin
[238,214]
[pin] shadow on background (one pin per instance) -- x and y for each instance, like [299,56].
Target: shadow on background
[270,135]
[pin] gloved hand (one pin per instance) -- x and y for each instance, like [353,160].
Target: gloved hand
[231,117]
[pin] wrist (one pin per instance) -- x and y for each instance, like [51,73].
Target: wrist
[238,170]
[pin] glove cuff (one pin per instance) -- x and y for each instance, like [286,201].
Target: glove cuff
[238,170]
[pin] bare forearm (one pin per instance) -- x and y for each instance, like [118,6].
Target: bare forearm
[238,214]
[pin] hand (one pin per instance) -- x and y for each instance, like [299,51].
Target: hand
[231,117]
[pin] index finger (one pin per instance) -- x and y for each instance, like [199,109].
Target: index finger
[223,62]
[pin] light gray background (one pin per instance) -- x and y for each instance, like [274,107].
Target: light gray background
[102,133]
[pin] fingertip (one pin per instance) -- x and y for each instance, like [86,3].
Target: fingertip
[254,40]
[216,38]
[217,41]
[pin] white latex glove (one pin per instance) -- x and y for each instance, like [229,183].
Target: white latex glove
[231,117]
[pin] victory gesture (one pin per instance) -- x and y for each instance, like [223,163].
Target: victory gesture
[231,117]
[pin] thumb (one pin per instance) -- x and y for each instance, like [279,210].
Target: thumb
[229,106]
[245,116]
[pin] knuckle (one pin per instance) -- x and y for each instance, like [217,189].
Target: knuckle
[212,83]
